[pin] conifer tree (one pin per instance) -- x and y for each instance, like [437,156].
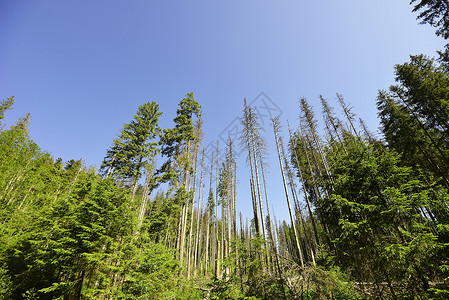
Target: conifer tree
[281,156]
[251,140]
[434,13]
[414,116]
[374,218]
[5,104]
[176,145]
[135,147]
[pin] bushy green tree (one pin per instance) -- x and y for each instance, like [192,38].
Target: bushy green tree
[414,117]
[174,138]
[70,244]
[374,216]
[152,273]
[135,147]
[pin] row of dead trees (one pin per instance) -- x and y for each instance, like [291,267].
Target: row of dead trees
[207,229]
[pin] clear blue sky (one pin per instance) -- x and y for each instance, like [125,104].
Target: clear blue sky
[81,68]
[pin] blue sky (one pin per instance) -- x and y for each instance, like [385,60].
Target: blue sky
[81,68]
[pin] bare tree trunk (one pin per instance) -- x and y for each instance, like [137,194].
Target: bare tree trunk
[185,209]
[145,195]
[349,115]
[312,218]
[259,198]
[270,223]
[276,128]
[310,122]
[209,216]
[256,214]
[206,248]
[217,241]
[200,209]
[329,118]
[199,231]
[247,140]
[189,250]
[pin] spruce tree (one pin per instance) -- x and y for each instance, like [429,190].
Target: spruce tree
[135,147]
[374,217]
[434,13]
[414,116]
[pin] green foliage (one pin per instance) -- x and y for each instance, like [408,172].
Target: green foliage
[20,161]
[165,212]
[226,289]
[374,218]
[172,139]
[211,202]
[422,84]
[71,240]
[322,283]
[69,233]
[414,116]
[248,279]
[434,13]
[5,284]
[60,224]
[5,104]
[152,274]
[222,188]
[187,290]
[136,145]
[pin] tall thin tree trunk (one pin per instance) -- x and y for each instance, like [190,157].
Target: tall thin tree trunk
[200,209]
[312,218]
[189,250]
[276,128]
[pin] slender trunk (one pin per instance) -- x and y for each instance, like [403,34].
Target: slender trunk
[276,127]
[248,137]
[189,250]
[146,190]
[312,218]
[270,224]
[200,208]
[327,110]
[259,197]
[206,248]
[308,119]
[217,241]
[349,115]
[199,232]
[256,215]
[185,210]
